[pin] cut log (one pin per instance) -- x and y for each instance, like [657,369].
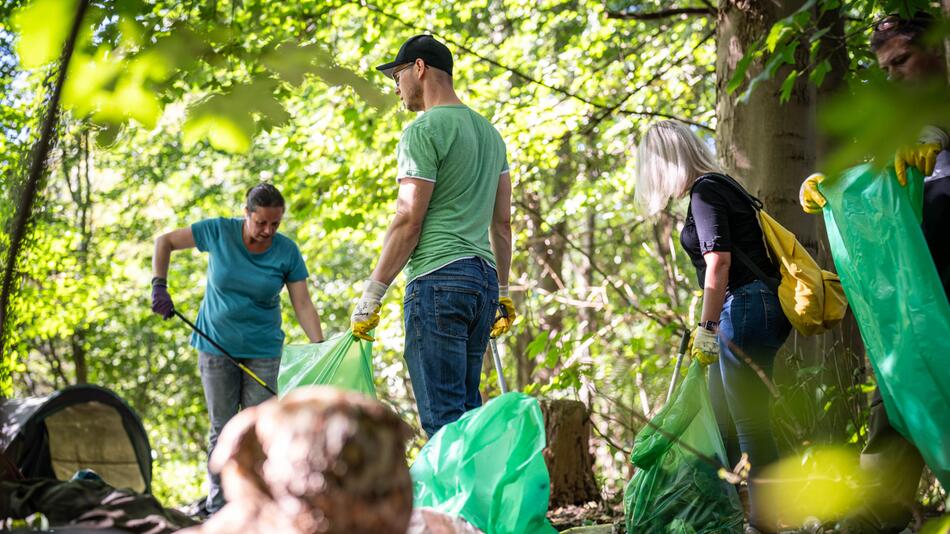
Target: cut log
[567,455]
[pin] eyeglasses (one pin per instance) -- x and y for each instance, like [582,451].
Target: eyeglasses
[402,68]
[396,72]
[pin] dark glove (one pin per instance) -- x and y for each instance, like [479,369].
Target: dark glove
[161,300]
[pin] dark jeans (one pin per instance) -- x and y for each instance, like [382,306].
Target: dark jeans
[752,327]
[448,315]
[227,389]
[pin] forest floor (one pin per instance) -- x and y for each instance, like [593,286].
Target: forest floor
[591,514]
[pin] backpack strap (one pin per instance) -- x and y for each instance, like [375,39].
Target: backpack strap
[731,182]
[772,282]
[769,281]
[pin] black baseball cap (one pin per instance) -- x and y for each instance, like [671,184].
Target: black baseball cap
[423,47]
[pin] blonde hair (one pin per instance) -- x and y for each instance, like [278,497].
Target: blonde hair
[669,158]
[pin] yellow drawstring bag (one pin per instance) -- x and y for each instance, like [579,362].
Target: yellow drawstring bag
[812,298]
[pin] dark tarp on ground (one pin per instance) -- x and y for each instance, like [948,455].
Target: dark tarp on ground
[88,503]
[79,427]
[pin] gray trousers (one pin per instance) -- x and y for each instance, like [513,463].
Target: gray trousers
[228,389]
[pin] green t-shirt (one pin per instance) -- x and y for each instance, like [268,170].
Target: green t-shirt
[463,154]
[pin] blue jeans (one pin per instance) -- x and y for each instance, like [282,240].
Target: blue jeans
[448,316]
[752,327]
[227,389]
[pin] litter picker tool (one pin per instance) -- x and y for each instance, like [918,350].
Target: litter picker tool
[232,359]
[502,385]
[684,346]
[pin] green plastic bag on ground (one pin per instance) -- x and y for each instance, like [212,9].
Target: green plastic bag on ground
[342,361]
[894,290]
[674,491]
[487,468]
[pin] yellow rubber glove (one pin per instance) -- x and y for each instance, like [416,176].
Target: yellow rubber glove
[924,157]
[505,314]
[809,196]
[704,346]
[365,316]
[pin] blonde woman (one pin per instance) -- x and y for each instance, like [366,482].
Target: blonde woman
[742,325]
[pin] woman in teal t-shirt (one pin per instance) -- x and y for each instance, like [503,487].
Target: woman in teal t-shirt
[249,264]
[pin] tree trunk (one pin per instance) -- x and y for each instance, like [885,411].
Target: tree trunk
[771,147]
[567,455]
[767,145]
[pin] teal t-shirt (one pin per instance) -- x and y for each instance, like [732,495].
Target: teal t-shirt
[464,155]
[241,307]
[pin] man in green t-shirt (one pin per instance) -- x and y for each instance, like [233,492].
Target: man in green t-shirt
[453,226]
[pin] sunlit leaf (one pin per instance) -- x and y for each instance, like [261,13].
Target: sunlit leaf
[112,89]
[826,483]
[817,76]
[788,85]
[43,26]
[893,122]
[738,77]
[228,132]
[293,62]
[777,34]
[937,525]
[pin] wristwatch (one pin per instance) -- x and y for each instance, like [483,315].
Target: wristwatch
[712,326]
[158,280]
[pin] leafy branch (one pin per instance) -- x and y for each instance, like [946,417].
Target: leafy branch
[609,108]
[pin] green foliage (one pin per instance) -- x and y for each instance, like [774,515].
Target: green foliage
[176,108]
[43,26]
[898,115]
[133,58]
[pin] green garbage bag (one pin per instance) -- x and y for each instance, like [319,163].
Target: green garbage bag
[487,468]
[342,361]
[897,299]
[674,491]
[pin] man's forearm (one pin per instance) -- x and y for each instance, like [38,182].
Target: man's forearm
[401,239]
[501,248]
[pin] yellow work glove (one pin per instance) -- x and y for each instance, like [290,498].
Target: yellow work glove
[924,157]
[505,314]
[704,346]
[809,197]
[365,316]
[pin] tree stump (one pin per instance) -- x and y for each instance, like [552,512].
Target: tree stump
[567,455]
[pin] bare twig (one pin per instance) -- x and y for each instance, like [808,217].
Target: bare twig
[484,58]
[662,14]
[610,108]
[618,287]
